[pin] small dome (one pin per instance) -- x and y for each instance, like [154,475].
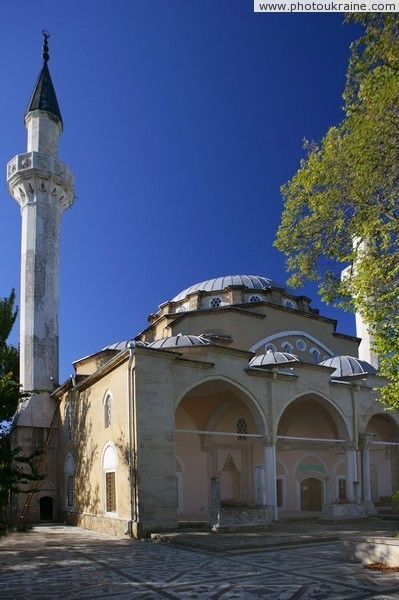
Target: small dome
[252,282]
[272,358]
[180,341]
[348,366]
[119,346]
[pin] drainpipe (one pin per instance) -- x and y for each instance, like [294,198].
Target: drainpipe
[274,442]
[131,441]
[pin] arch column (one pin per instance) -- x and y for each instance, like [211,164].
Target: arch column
[365,440]
[269,454]
[351,471]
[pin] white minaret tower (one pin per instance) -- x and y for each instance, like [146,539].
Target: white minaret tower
[43,186]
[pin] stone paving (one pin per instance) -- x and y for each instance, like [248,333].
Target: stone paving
[68,562]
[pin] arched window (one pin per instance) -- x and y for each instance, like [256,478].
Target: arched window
[287,347]
[242,429]
[69,471]
[315,354]
[289,303]
[68,422]
[109,464]
[270,348]
[107,410]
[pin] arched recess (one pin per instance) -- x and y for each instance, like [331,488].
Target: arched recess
[109,463]
[311,437]
[210,437]
[384,456]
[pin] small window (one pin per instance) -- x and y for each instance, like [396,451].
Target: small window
[215,302]
[182,308]
[270,348]
[242,430]
[315,354]
[68,423]
[301,345]
[255,299]
[107,411]
[289,304]
[287,347]
[110,491]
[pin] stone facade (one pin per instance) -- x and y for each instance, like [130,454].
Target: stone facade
[228,383]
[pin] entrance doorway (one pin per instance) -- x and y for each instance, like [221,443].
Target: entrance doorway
[311,494]
[46,508]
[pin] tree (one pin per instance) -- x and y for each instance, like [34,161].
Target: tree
[9,360]
[18,474]
[342,206]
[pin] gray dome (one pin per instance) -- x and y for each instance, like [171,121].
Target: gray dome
[180,341]
[252,282]
[272,358]
[119,346]
[348,366]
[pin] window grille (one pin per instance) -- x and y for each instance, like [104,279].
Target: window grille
[70,491]
[68,422]
[242,429]
[110,492]
[107,412]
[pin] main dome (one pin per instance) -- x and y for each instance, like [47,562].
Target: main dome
[251,282]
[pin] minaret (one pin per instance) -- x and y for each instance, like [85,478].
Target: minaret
[43,186]
[366,351]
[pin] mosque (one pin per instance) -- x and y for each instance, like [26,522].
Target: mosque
[237,405]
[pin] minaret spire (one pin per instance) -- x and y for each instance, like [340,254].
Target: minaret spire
[43,96]
[43,186]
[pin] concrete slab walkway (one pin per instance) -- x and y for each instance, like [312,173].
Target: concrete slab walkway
[68,562]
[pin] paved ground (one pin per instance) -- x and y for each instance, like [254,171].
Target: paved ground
[292,561]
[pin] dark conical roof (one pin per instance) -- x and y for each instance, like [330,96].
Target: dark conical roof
[43,97]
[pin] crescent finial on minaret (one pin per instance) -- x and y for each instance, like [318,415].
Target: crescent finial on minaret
[45,55]
[44,97]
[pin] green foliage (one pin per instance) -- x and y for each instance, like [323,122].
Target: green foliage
[18,474]
[9,360]
[342,206]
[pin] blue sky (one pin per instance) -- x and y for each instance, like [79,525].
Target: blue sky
[182,119]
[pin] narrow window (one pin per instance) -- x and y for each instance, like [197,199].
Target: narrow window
[242,430]
[68,423]
[110,491]
[69,472]
[315,354]
[107,411]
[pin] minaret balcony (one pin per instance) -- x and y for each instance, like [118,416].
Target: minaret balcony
[40,162]
[34,175]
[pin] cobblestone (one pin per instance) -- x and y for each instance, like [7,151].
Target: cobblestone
[70,563]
